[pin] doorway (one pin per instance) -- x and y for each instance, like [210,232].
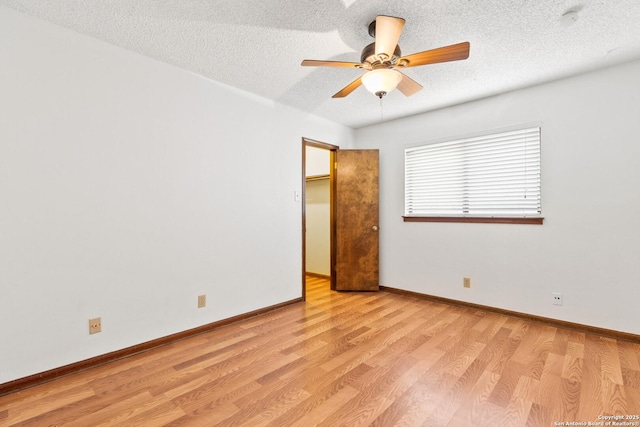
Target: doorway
[318,217]
[353,215]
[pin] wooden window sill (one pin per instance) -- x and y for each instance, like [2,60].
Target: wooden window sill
[490,220]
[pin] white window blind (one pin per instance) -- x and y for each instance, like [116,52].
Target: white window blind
[495,175]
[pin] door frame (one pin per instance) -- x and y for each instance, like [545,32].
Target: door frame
[307,142]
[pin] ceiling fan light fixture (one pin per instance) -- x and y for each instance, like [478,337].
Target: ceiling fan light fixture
[381,81]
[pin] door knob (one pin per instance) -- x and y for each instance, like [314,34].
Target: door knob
[375,228]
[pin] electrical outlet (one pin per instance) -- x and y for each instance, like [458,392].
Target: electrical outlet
[95,325]
[202,301]
[557,298]
[466,282]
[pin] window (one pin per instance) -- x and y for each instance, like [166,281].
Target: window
[488,178]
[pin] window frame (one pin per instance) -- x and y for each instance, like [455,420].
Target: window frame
[499,219]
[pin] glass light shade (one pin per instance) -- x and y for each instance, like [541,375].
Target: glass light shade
[381,81]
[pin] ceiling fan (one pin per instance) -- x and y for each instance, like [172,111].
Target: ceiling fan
[382,59]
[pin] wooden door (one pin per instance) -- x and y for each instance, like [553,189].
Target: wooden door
[356,220]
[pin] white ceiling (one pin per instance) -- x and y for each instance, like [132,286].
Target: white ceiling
[257,45]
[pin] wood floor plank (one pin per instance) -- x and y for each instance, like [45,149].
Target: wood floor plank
[591,392]
[569,398]
[549,391]
[181,382]
[410,394]
[614,399]
[267,414]
[631,378]
[460,392]
[528,389]
[378,388]
[575,349]
[318,414]
[553,364]
[363,348]
[227,382]
[560,341]
[633,395]
[205,417]
[19,411]
[495,324]
[534,349]
[572,368]
[41,393]
[541,416]
[340,358]
[475,409]
[119,410]
[151,414]
[321,392]
[509,378]
[629,358]
[268,401]
[458,359]
[503,353]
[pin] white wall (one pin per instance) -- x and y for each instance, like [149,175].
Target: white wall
[588,246]
[318,221]
[318,212]
[127,188]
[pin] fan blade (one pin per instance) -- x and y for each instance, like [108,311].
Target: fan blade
[408,86]
[455,52]
[388,30]
[349,88]
[314,63]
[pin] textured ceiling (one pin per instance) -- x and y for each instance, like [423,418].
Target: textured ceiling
[257,45]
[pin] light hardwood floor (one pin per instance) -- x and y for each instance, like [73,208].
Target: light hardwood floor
[352,359]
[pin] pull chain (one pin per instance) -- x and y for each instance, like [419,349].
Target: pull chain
[381,111]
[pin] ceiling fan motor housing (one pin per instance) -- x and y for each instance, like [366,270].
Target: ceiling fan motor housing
[369,55]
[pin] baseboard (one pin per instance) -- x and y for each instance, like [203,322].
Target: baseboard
[43,377]
[609,333]
[318,276]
